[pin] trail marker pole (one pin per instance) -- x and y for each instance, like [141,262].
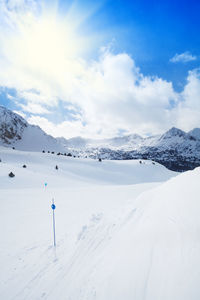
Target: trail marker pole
[54,229]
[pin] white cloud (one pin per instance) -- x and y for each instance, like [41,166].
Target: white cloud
[183,57]
[70,129]
[114,95]
[34,108]
[188,109]
[117,96]
[105,95]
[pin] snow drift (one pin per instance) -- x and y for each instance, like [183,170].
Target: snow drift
[156,254]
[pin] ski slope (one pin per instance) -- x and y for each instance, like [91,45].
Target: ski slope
[124,230]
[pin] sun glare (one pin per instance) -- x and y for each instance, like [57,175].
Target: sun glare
[47,44]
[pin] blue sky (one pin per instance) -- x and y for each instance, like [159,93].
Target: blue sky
[99,68]
[152,32]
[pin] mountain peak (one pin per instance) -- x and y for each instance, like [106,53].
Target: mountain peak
[12,126]
[195,133]
[173,132]
[16,131]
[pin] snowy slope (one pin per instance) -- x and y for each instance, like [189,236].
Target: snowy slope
[35,139]
[116,239]
[92,201]
[15,131]
[155,255]
[41,168]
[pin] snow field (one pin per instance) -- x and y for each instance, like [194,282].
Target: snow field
[124,230]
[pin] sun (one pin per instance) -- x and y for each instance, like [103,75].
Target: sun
[47,44]
[43,42]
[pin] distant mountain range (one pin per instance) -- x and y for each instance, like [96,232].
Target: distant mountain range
[175,149]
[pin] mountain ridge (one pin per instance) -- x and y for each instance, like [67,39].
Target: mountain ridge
[175,149]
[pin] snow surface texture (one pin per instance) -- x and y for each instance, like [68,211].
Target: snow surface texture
[116,239]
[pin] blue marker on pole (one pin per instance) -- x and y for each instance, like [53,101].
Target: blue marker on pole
[54,229]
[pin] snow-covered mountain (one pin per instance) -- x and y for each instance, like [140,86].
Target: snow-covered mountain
[175,149]
[11,126]
[128,142]
[135,142]
[15,131]
[195,133]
